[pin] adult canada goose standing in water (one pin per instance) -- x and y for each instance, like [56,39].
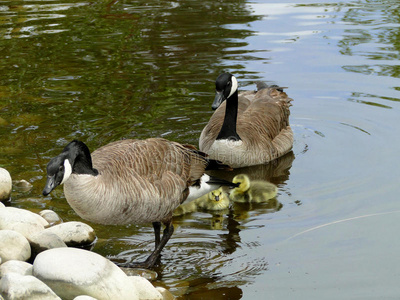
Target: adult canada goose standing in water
[249,128]
[132,181]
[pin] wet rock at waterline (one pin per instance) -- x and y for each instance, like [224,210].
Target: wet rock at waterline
[144,288]
[50,216]
[5,185]
[22,185]
[165,293]
[145,273]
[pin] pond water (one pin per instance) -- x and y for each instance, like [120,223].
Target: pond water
[100,71]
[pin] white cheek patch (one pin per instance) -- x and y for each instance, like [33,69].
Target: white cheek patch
[67,170]
[234,85]
[198,191]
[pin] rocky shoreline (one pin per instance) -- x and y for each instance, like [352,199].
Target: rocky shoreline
[38,259]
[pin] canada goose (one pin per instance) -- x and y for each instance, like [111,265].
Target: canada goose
[249,128]
[214,200]
[252,191]
[131,181]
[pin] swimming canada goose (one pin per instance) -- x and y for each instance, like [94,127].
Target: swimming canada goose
[249,128]
[214,201]
[252,191]
[131,181]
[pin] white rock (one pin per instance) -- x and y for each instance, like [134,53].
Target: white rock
[150,275]
[84,297]
[145,289]
[13,246]
[165,293]
[5,184]
[45,240]
[71,272]
[22,185]
[25,222]
[15,266]
[14,286]
[50,216]
[74,233]
[2,205]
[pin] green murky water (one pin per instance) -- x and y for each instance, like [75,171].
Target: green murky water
[101,71]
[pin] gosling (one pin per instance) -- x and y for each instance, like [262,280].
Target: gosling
[216,200]
[255,191]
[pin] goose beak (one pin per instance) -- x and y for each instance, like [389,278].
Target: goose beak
[219,98]
[50,185]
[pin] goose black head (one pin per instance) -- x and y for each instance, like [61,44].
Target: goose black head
[58,170]
[75,158]
[225,85]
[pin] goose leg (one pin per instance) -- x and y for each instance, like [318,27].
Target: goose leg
[151,260]
[160,243]
[157,230]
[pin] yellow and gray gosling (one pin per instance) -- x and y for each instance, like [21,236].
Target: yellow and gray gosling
[132,182]
[252,191]
[213,201]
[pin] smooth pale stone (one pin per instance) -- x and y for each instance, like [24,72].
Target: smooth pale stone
[71,272]
[50,216]
[74,233]
[25,222]
[45,240]
[165,293]
[85,298]
[15,266]
[14,286]
[22,185]
[145,289]
[145,273]
[5,184]
[2,205]
[13,246]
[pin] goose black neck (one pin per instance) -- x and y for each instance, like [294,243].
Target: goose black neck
[228,129]
[79,156]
